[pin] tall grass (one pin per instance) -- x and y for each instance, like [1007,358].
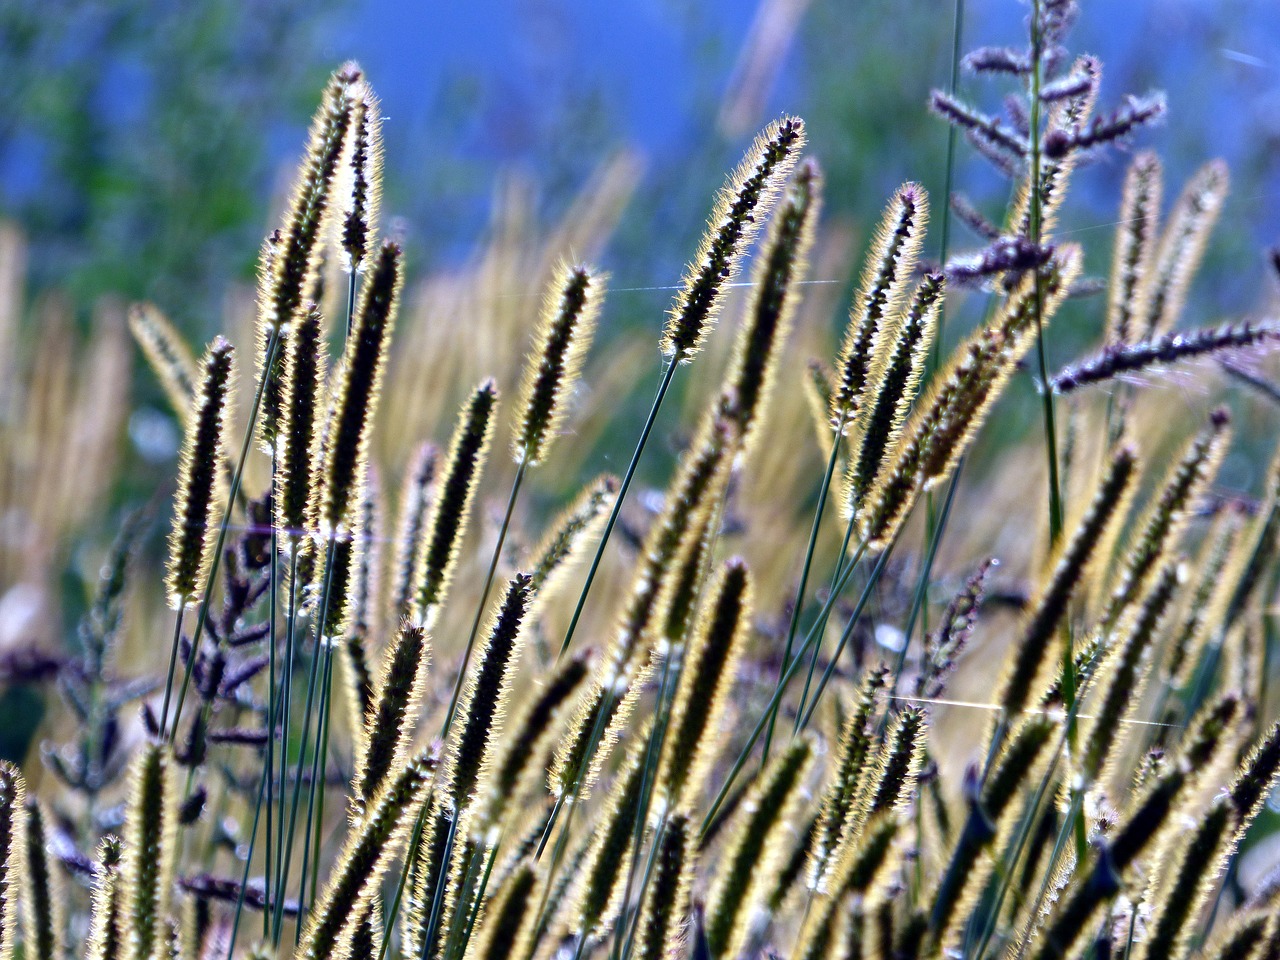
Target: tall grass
[539,761]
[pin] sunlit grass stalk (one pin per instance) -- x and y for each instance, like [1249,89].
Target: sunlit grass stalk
[484,596]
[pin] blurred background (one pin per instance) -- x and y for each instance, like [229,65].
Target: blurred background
[145,146]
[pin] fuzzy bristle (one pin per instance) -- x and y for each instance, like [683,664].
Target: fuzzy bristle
[753,850]
[367,855]
[483,706]
[692,741]
[303,379]
[389,725]
[1182,246]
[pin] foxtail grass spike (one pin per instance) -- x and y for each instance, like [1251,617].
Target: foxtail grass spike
[1133,261]
[780,268]
[690,493]
[534,727]
[878,427]
[1032,648]
[389,726]
[849,773]
[366,575]
[41,892]
[692,741]
[898,763]
[106,917]
[414,505]
[599,718]
[1185,884]
[13,839]
[1148,819]
[359,221]
[564,334]
[304,377]
[293,269]
[366,857]
[150,851]
[742,204]
[437,548]
[567,539]
[664,909]
[358,382]
[198,503]
[1128,672]
[596,899]
[364,938]
[873,320]
[1256,777]
[948,417]
[483,706]
[992,813]
[168,354]
[1187,480]
[753,850]
[1182,246]
[506,926]
[942,647]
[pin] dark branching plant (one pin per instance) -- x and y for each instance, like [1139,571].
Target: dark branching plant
[668,789]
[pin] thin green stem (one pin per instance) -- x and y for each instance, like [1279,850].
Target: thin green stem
[484,598]
[286,706]
[935,355]
[817,650]
[442,881]
[872,579]
[297,784]
[173,661]
[617,504]
[263,782]
[268,771]
[318,757]
[479,900]
[798,604]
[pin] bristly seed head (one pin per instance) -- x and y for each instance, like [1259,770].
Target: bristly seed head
[294,265]
[437,549]
[198,504]
[779,270]
[304,378]
[564,333]
[360,203]
[873,319]
[355,398]
[741,206]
